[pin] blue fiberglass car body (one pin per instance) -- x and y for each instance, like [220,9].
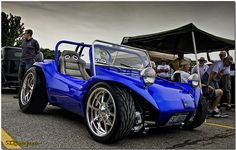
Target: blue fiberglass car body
[164,102]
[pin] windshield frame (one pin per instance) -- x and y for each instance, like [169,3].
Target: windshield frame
[116,45]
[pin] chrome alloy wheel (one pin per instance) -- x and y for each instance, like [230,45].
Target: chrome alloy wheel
[27,88]
[101,112]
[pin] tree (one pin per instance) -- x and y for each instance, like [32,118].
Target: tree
[12,30]
[49,54]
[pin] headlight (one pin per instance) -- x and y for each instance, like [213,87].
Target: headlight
[149,75]
[194,79]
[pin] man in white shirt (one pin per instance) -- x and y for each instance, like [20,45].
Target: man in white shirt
[163,70]
[209,79]
[202,67]
[222,55]
[183,71]
[224,80]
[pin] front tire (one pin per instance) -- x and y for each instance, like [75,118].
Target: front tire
[32,95]
[109,113]
[200,115]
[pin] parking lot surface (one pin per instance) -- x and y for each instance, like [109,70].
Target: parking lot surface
[57,128]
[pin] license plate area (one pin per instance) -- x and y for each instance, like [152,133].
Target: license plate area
[177,119]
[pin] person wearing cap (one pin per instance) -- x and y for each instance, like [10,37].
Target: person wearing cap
[210,84]
[202,67]
[163,70]
[183,71]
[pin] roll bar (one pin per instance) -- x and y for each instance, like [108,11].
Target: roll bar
[67,42]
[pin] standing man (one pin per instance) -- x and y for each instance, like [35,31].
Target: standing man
[202,67]
[30,48]
[222,55]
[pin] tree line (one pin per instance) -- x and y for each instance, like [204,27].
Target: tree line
[12,32]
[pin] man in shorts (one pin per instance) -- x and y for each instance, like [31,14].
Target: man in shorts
[210,84]
[225,80]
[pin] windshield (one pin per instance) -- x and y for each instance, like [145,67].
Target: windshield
[120,56]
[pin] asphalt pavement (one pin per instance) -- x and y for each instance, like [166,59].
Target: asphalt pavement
[59,129]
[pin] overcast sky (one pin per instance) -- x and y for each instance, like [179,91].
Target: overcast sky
[111,21]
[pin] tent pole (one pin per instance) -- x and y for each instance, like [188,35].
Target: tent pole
[195,51]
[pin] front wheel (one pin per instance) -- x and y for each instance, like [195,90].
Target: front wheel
[109,113]
[32,95]
[199,116]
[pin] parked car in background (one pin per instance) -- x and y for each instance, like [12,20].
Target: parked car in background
[10,65]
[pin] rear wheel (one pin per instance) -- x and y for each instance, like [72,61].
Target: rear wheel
[199,116]
[32,95]
[109,113]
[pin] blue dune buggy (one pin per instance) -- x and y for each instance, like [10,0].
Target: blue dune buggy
[114,88]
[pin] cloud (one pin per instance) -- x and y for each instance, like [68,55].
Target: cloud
[87,21]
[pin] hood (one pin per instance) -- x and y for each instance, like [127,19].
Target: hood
[163,94]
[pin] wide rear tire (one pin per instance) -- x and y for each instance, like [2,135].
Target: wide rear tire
[109,113]
[32,95]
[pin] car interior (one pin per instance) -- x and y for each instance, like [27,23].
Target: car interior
[71,64]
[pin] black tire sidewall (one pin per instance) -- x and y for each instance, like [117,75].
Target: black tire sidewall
[31,70]
[200,115]
[110,137]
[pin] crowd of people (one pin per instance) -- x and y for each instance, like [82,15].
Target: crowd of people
[215,78]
